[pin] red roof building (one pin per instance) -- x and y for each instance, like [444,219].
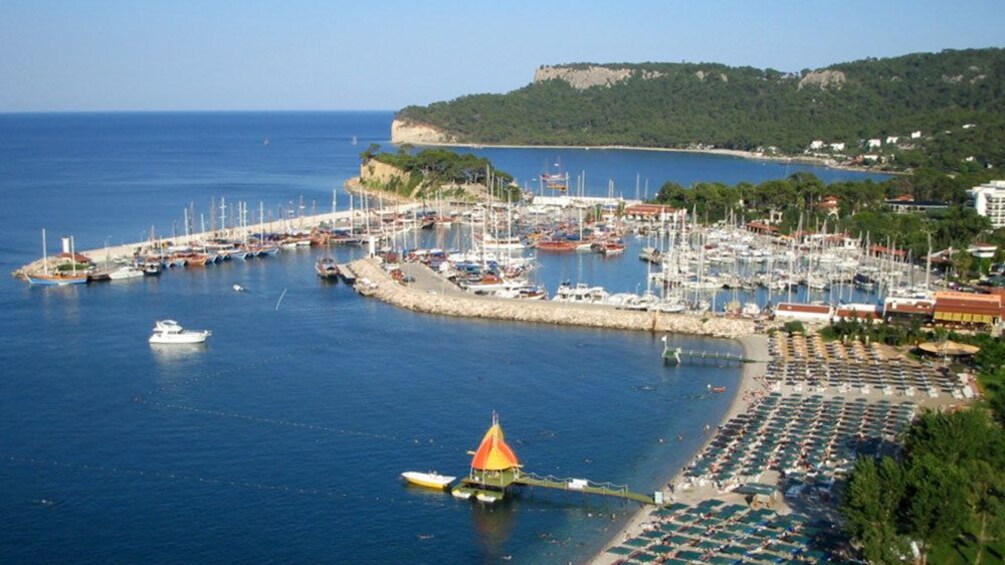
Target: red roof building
[966,308]
[649,211]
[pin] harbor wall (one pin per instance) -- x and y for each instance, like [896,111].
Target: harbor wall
[373,281]
[127,250]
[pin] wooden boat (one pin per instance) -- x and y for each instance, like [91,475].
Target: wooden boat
[58,279]
[559,245]
[431,479]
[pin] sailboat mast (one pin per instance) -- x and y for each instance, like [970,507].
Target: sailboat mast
[45,255]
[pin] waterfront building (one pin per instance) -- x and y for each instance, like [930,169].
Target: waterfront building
[798,312]
[906,204]
[966,308]
[989,201]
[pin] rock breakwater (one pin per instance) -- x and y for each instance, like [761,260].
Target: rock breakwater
[373,281]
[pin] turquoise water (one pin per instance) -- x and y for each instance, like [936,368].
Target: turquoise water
[283,438]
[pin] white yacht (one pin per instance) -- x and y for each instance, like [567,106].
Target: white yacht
[125,272]
[170,332]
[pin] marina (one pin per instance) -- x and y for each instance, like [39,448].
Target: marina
[300,377]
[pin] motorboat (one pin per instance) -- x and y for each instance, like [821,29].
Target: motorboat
[171,332]
[327,268]
[431,479]
[126,272]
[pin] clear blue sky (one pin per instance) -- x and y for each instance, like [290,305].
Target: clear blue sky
[357,55]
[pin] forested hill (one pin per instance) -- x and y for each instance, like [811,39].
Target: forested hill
[703,104]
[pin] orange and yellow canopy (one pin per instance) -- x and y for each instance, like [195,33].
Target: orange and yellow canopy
[494,454]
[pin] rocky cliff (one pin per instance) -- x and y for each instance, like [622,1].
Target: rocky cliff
[590,76]
[406,131]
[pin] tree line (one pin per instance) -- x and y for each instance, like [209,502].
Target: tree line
[695,105]
[946,494]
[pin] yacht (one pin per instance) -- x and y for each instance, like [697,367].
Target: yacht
[170,332]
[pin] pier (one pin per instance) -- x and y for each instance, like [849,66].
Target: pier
[302,223]
[495,468]
[678,356]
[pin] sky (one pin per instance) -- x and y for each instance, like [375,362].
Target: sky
[179,55]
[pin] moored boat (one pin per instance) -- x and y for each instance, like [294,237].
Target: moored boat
[59,279]
[559,245]
[171,332]
[125,272]
[431,479]
[327,268]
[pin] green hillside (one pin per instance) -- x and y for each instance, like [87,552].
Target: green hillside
[702,104]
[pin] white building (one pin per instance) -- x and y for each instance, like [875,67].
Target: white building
[799,312]
[837,146]
[989,201]
[816,144]
[916,134]
[874,143]
[892,139]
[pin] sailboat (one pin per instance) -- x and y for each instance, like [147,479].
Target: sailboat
[57,278]
[557,180]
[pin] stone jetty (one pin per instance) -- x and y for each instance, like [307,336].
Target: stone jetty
[373,281]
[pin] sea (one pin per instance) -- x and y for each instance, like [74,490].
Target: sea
[283,438]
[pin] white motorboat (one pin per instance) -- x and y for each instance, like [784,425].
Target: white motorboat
[170,332]
[431,479]
[125,272]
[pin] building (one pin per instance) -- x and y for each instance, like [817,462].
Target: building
[762,228]
[906,204]
[963,308]
[892,139]
[829,204]
[651,212]
[989,201]
[916,134]
[816,144]
[874,143]
[798,312]
[858,312]
[908,308]
[837,146]
[983,250]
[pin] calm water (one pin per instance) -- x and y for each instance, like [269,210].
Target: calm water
[283,438]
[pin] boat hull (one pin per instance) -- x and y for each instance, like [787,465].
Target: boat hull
[433,481]
[50,280]
[183,338]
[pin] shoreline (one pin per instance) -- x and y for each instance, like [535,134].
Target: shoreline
[738,153]
[755,346]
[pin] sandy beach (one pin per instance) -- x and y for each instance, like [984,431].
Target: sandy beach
[755,346]
[805,159]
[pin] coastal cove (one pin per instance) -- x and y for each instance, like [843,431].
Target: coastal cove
[282,439]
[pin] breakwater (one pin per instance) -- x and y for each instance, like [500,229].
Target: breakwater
[373,281]
[128,250]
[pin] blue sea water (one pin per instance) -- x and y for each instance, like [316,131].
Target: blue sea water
[283,438]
